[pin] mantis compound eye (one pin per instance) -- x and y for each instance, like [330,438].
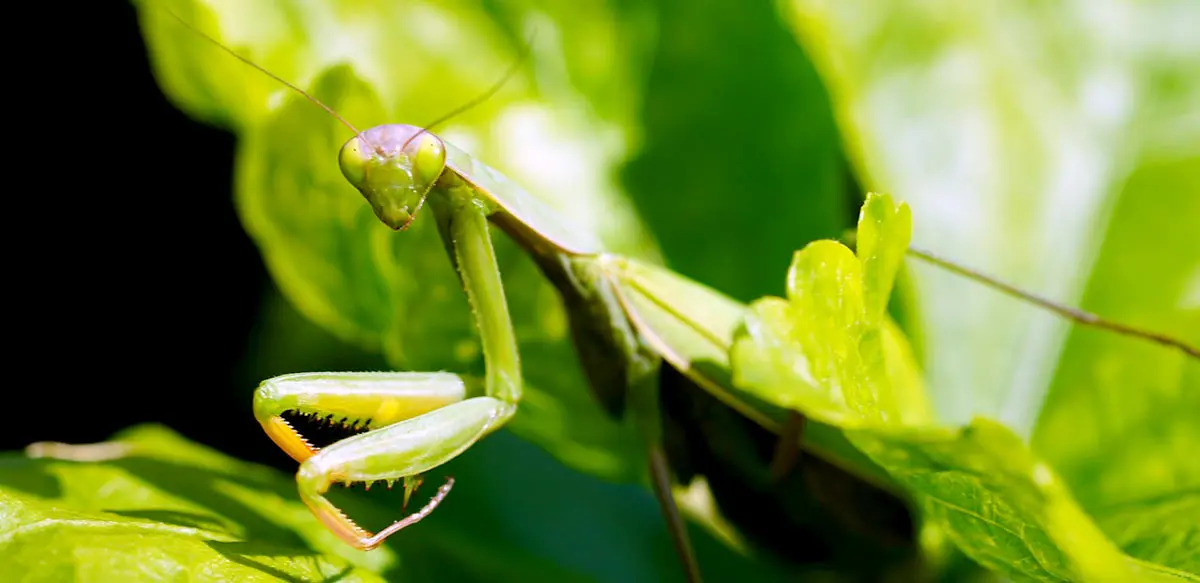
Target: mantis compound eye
[428,154]
[353,161]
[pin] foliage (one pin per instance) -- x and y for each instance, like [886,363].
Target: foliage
[1047,144]
[1051,145]
[168,508]
[829,351]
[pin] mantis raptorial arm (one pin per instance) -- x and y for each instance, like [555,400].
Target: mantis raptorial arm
[422,418]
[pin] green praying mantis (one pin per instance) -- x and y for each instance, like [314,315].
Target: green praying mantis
[634,325]
[646,337]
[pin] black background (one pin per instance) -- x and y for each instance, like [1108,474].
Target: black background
[135,289]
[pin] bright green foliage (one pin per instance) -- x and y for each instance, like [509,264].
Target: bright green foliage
[1003,507]
[883,233]
[822,352]
[1053,145]
[172,509]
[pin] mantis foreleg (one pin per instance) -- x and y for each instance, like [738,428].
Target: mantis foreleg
[427,421]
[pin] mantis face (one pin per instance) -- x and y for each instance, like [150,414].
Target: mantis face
[394,167]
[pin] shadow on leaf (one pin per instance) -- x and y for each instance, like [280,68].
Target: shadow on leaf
[205,487]
[278,562]
[29,476]
[177,518]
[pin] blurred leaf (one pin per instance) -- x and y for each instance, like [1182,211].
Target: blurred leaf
[1163,530]
[1122,420]
[170,507]
[348,272]
[739,163]
[1011,129]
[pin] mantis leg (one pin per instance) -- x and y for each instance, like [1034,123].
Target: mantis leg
[644,400]
[361,400]
[430,422]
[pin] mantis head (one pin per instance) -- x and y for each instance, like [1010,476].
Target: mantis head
[393,166]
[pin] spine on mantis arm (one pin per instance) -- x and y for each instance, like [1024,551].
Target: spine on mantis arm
[425,419]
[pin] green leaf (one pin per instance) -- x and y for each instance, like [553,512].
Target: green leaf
[192,510]
[161,507]
[396,292]
[166,509]
[883,233]
[996,501]
[822,353]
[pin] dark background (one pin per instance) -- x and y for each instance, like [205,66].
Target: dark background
[137,289]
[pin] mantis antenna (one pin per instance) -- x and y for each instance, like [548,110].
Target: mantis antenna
[482,97]
[264,71]
[1076,315]
[469,105]
[1073,314]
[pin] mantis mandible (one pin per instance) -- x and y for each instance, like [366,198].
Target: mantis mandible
[634,324]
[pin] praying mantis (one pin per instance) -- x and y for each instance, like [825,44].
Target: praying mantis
[644,336]
[635,326]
